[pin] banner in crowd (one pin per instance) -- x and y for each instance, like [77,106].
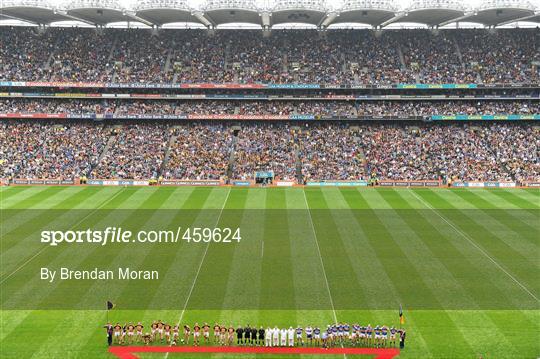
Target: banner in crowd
[489,184]
[253,85]
[338,183]
[47,182]
[389,183]
[102,182]
[242,183]
[18,115]
[264,174]
[191,183]
[485,117]
[294,86]
[238,117]
[438,86]
[284,183]
[35,115]
[368,98]
[379,118]
[149,117]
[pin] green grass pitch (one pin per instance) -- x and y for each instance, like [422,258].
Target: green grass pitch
[464,263]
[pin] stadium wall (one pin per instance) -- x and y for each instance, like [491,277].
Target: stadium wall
[277,183]
[195,117]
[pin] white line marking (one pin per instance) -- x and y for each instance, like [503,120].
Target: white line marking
[200,266]
[322,262]
[262,249]
[71,227]
[471,241]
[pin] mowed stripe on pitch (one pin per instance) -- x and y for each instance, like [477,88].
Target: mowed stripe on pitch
[90,290]
[29,197]
[25,222]
[314,298]
[176,264]
[26,246]
[500,251]
[7,192]
[375,285]
[446,279]
[402,225]
[513,214]
[239,266]
[345,295]
[517,228]
[143,199]
[174,216]
[475,273]
[422,325]
[32,200]
[243,267]
[183,258]
[35,293]
[25,291]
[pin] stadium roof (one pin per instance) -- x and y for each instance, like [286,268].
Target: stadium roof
[496,12]
[372,12]
[232,11]
[99,12]
[430,12]
[160,12]
[320,13]
[33,11]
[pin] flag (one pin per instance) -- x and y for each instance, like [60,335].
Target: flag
[401,317]
[110,305]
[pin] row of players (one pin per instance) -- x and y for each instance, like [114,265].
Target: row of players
[335,334]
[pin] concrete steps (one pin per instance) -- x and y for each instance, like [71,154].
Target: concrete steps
[110,142]
[172,140]
[230,166]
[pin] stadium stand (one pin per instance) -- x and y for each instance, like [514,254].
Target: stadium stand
[49,150]
[137,153]
[344,57]
[325,151]
[308,133]
[199,151]
[319,108]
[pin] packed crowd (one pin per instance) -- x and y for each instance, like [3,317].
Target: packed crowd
[265,147]
[327,108]
[137,152]
[347,57]
[332,335]
[316,151]
[510,58]
[466,152]
[516,148]
[35,150]
[436,58]
[199,151]
[330,152]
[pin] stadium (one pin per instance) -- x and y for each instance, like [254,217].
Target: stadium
[270,179]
